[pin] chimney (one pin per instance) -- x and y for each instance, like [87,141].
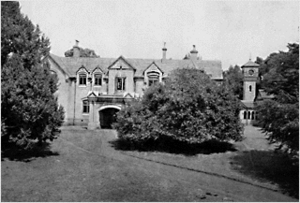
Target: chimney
[164,52]
[76,50]
[194,53]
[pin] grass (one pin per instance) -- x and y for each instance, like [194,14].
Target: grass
[270,166]
[84,166]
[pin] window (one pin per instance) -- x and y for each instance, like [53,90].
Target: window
[82,79]
[153,78]
[120,84]
[249,115]
[250,88]
[98,79]
[86,106]
[153,81]
[245,114]
[253,114]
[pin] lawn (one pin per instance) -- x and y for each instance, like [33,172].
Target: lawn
[85,165]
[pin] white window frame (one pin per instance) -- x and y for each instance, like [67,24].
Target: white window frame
[123,84]
[85,106]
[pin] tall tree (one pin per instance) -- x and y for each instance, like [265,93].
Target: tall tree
[279,117]
[29,112]
[83,53]
[233,78]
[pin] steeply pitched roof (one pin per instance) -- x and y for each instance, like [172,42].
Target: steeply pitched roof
[71,64]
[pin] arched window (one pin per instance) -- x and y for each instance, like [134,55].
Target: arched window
[97,79]
[253,115]
[250,88]
[245,114]
[153,78]
[85,106]
[249,115]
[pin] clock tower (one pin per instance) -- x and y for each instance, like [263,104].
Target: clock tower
[250,73]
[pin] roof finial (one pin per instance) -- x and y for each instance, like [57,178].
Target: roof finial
[164,48]
[250,56]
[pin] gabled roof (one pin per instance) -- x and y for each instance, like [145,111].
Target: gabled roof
[123,59]
[153,63]
[97,68]
[71,64]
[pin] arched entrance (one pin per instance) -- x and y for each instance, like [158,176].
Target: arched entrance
[107,115]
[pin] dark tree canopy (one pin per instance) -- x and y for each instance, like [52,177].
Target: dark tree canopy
[188,108]
[233,78]
[83,53]
[279,117]
[29,111]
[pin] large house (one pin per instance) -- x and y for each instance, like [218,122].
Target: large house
[91,90]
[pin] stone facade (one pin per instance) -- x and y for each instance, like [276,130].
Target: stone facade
[91,89]
[250,73]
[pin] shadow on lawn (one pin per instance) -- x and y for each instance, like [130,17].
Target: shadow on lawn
[15,154]
[270,166]
[207,147]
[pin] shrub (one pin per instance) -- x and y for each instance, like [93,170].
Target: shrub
[189,108]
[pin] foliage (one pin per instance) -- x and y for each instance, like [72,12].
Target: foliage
[279,117]
[83,53]
[29,111]
[188,108]
[233,78]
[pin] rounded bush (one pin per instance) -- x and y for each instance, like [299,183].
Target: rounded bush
[188,108]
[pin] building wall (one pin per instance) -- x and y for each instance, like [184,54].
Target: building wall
[129,83]
[248,116]
[249,95]
[139,85]
[63,89]
[71,95]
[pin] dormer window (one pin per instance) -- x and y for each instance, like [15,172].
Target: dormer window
[153,81]
[82,78]
[153,78]
[97,79]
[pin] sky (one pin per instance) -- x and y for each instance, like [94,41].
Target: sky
[229,31]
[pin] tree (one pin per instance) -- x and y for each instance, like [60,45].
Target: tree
[233,78]
[279,117]
[29,112]
[83,53]
[189,108]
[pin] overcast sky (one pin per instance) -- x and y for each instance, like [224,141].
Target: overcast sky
[229,31]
